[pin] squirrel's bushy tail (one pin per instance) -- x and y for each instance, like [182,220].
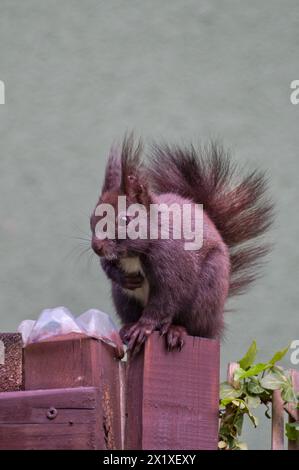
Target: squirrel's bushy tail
[238,207]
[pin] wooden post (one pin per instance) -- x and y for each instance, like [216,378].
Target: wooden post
[277,436]
[294,445]
[173,397]
[77,361]
[11,362]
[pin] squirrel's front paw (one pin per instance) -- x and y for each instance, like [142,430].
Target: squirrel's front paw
[124,331]
[135,335]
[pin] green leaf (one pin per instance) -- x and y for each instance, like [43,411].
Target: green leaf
[238,422]
[254,387]
[231,442]
[238,373]
[242,446]
[292,431]
[274,380]
[254,370]
[267,412]
[229,392]
[288,393]
[278,355]
[239,403]
[249,357]
[253,419]
[226,401]
[252,402]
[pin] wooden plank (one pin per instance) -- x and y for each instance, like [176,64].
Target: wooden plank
[51,419]
[12,407]
[73,361]
[48,437]
[134,402]
[294,445]
[172,397]
[11,360]
[122,393]
[277,434]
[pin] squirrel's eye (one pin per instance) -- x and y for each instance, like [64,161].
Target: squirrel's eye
[123,220]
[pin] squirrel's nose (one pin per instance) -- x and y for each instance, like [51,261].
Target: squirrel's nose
[97,246]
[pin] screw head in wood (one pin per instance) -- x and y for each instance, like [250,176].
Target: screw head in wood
[52,413]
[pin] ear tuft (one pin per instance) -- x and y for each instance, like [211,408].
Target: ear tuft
[131,162]
[112,180]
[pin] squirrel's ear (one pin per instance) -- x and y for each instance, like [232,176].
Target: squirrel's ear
[137,192]
[112,178]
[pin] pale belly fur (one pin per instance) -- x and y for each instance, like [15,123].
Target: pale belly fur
[133,265]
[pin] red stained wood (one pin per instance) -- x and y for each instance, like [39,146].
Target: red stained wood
[277,437]
[294,445]
[11,370]
[25,423]
[172,397]
[66,361]
[79,361]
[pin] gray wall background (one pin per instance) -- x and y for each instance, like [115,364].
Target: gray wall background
[78,75]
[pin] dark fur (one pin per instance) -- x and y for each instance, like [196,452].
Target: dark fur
[187,288]
[240,211]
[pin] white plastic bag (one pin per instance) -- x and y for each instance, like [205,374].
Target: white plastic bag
[25,328]
[60,321]
[96,324]
[51,322]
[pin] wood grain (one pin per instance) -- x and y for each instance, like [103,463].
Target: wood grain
[277,434]
[294,445]
[172,397]
[25,423]
[79,361]
[66,361]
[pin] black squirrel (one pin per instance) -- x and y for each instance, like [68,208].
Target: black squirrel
[158,284]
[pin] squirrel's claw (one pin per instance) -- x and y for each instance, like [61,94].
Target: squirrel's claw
[175,337]
[136,335]
[124,331]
